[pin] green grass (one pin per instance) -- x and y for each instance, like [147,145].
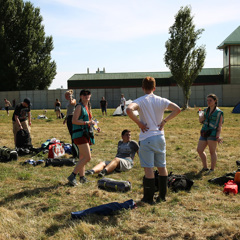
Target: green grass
[36,202]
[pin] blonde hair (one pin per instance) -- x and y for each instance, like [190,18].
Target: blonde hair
[70,91]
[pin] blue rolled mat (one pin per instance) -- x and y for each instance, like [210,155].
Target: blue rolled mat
[105,209]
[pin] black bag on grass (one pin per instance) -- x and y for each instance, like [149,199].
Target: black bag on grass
[114,185]
[179,182]
[59,162]
[223,179]
[23,139]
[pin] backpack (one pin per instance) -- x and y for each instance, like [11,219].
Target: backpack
[114,185]
[23,139]
[56,150]
[7,154]
[179,182]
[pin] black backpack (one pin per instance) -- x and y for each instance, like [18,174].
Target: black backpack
[179,182]
[23,139]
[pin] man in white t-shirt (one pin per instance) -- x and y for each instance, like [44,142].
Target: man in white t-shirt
[152,151]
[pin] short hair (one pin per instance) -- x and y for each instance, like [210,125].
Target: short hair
[214,97]
[149,83]
[125,131]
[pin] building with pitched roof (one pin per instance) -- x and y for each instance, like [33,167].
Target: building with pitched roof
[229,74]
[231,57]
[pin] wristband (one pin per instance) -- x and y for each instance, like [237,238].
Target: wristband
[164,120]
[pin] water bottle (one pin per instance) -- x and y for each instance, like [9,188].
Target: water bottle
[237,177]
[200,112]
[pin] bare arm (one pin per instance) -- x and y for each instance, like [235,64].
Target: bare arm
[18,121]
[175,111]
[219,129]
[29,118]
[132,107]
[72,101]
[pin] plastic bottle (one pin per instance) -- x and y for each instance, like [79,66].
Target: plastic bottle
[200,112]
[237,177]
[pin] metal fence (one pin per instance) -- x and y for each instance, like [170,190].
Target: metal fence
[229,95]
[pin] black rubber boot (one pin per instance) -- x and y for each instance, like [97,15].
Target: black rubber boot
[162,183]
[148,190]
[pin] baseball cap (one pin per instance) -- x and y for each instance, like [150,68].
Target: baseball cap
[27,100]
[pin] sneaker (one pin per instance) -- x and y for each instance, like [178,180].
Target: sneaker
[72,180]
[83,180]
[102,173]
[210,171]
[204,170]
[89,172]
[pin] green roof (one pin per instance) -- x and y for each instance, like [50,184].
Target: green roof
[232,39]
[135,75]
[124,75]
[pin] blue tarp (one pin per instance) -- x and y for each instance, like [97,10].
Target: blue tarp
[105,209]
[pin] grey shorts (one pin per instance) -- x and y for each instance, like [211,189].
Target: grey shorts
[124,165]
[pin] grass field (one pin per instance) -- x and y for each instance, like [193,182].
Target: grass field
[36,202]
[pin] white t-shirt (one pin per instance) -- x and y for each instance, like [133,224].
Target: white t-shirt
[123,100]
[151,111]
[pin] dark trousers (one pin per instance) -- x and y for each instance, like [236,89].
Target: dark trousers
[69,125]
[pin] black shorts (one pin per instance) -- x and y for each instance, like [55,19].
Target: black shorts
[104,109]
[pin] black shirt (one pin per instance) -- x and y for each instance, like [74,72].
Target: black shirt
[21,112]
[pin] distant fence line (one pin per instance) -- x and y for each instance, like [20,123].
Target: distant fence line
[229,95]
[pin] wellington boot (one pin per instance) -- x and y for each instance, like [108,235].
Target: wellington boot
[148,190]
[162,183]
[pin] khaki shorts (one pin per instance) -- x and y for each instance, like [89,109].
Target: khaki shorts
[16,128]
[124,165]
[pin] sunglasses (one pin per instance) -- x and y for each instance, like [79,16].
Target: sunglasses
[86,94]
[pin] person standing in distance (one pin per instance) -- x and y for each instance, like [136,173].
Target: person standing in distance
[7,104]
[22,117]
[103,105]
[152,145]
[122,103]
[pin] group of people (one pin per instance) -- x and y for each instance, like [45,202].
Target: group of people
[152,145]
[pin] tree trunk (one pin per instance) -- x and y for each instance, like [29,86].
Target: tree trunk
[186,94]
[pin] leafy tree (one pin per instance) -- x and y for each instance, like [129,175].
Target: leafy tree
[25,51]
[183,58]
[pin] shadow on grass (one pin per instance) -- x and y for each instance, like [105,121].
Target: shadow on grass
[28,193]
[193,175]
[111,220]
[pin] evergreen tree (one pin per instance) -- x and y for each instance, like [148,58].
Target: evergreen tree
[25,60]
[183,58]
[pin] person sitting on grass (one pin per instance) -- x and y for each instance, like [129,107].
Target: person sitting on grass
[123,161]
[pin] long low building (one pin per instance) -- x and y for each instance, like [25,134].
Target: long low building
[101,79]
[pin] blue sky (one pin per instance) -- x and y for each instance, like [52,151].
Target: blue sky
[128,35]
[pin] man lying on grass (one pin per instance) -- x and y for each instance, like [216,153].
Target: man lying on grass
[123,161]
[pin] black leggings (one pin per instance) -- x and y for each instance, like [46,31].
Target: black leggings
[69,125]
